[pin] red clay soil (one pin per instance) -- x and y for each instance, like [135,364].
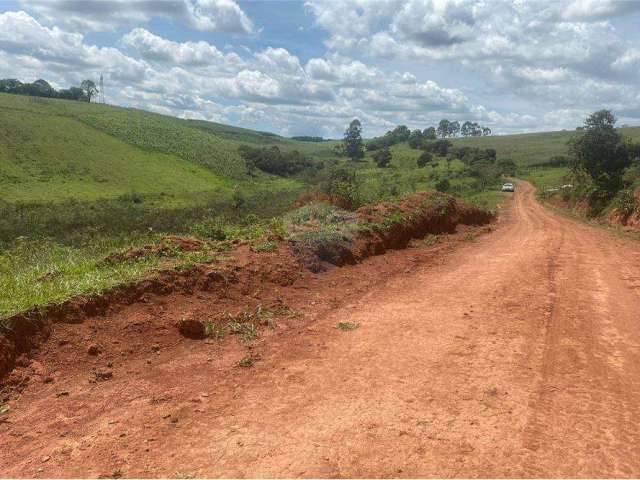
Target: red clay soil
[516,354]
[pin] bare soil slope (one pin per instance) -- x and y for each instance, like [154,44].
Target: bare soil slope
[517,354]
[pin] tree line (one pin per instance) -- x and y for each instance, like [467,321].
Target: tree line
[41,88]
[417,138]
[480,163]
[274,161]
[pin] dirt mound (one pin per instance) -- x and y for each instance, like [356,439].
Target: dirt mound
[388,225]
[168,244]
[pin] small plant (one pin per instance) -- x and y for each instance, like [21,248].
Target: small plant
[266,246]
[214,330]
[347,326]
[237,198]
[247,331]
[246,362]
[286,311]
[276,225]
[625,201]
[469,237]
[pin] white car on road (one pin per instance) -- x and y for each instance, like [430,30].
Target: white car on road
[508,187]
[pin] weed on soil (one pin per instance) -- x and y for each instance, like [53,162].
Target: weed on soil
[347,326]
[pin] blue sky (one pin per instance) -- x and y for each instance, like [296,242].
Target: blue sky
[308,68]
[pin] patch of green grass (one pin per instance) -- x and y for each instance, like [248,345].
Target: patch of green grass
[247,331]
[45,159]
[34,273]
[488,200]
[214,330]
[347,326]
[246,362]
[265,246]
[545,177]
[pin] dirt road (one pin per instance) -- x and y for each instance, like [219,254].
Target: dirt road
[518,355]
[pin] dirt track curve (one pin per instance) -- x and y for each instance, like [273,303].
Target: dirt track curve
[519,355]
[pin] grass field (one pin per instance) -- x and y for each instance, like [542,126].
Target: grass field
[45,160]
[52,150]
[531,148]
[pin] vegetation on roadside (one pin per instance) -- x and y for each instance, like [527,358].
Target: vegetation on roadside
[601,170]
[79,181]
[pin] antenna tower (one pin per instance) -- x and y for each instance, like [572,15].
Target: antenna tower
[101,93]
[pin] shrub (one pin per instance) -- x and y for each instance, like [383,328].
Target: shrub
[597,200]
[443,185]
[382,158]
[506,166]
[237,199]
[439,147]
[212,229]
[423,159]
[626,202]
[272,160]
[132,197]
[343,183]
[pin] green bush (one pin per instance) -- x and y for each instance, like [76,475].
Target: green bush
[626,202]
[423,159]
[443,185]
[213,229]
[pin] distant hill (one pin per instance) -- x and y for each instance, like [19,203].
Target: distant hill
[53,150]
[531,148]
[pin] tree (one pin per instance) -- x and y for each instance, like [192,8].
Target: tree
[506,166]
[439,147]
[599,151]
[382,157]
[415,139]
[353,140]
[401,133]
[9,85]
[43,88]
[467,129]
[443,128]
[423,159]
[89,88]
[486,131]
[73,93]
[429,133]
[454,129]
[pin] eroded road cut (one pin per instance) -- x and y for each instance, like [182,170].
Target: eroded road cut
[517,355]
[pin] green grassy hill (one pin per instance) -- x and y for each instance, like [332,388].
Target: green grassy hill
[48,159]
[531,148]
[54,150]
